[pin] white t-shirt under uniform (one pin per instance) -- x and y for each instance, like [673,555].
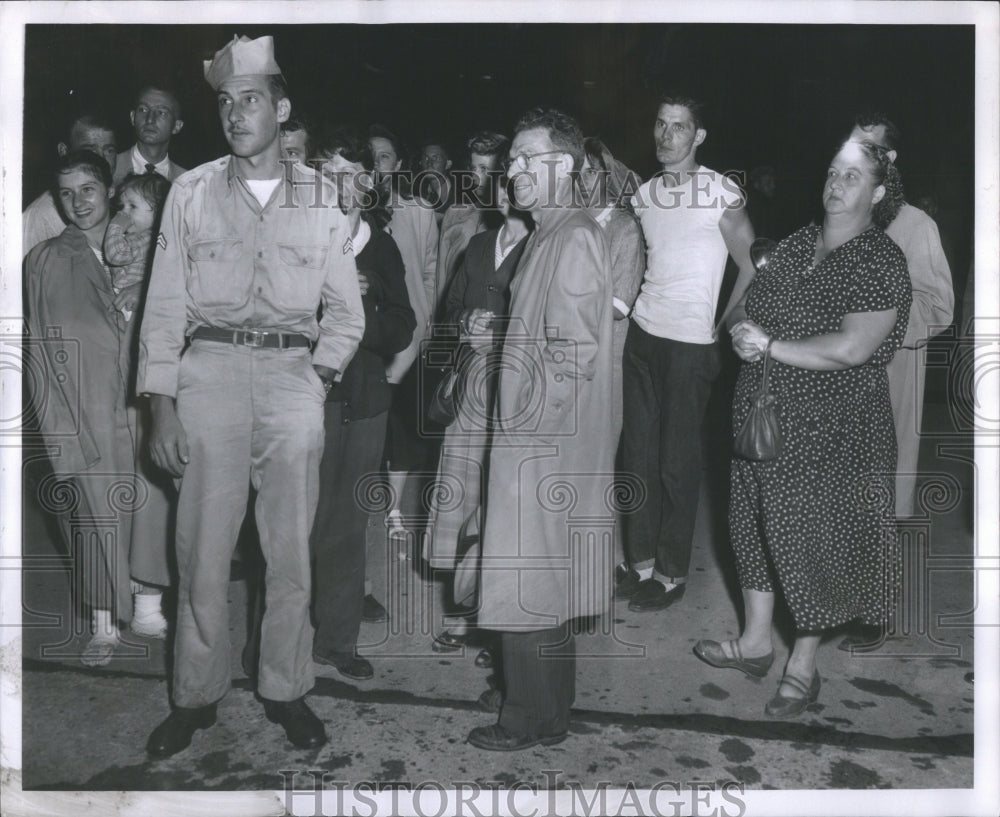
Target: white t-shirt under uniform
[685,254]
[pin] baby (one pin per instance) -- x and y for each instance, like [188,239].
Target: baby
[128,242]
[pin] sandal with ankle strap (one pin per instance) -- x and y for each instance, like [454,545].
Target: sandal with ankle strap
[713,654]
[782,706]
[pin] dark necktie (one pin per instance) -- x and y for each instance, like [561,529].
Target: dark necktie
[150,168]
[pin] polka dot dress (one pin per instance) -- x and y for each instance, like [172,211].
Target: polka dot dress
[817,521]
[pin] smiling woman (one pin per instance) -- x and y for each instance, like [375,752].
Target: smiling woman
[88,419]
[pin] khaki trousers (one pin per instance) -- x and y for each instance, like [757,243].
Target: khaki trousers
[250,415]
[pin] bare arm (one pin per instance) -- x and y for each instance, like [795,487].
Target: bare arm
[737,231]
[859,336]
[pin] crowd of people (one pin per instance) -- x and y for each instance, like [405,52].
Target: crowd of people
[262,326]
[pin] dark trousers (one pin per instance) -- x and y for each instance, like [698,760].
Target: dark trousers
[539,677]
[353,451]
[666,385]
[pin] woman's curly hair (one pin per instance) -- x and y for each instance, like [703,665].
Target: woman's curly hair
[887,175]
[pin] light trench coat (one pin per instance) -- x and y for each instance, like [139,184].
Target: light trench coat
[548,538]
[81,371]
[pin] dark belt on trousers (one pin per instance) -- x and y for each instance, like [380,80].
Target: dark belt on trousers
[254,338]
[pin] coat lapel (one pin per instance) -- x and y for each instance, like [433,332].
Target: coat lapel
[85,263]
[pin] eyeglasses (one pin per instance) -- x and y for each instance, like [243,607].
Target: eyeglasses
[521,160]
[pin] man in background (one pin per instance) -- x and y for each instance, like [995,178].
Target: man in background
[156,119]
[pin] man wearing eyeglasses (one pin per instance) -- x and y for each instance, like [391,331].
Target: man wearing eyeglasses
[547,541]
[156,119]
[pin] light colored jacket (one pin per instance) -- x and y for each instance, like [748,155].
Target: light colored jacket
[547,544]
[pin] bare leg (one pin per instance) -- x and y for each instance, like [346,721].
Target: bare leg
[755,641]
[802,661]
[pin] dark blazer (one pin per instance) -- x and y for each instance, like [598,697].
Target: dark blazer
[476,284]
[389,325]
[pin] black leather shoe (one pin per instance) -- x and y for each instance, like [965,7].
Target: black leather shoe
[372,610]
[174,734]
[496,738]
[626,581]
[652,595]
[484,659]
[347,663]
[301,725]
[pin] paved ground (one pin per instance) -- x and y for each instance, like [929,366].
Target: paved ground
[646,711]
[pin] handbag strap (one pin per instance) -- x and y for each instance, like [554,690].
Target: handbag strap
[767,366]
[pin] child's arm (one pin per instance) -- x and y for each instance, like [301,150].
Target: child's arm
[120,247]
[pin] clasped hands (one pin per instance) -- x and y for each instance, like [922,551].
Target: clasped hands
[475,322]
[749,341]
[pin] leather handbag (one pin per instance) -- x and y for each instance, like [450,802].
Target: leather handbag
[759,439]
[442,408]
[444,400]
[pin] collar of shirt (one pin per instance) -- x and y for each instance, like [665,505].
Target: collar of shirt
[361,238]
[314,186]
[139,163]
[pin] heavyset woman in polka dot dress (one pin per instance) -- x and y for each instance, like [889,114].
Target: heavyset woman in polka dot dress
[816,523]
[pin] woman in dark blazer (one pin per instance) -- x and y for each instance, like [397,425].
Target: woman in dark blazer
[477,303]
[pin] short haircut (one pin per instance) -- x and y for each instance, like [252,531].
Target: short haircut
[441,143]
[277,86]
[299,122]
[84,160]
[151,186]
[349,142]
[696,108]
[379,131]
[872,119]
[488,143]
[88,119]
[162,88]
[564,132]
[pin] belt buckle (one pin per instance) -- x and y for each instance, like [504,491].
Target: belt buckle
[254,338]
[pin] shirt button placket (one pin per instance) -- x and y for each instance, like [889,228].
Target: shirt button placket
[258,263]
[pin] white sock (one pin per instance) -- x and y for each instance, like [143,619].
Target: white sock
[146,605]
[104,626]
[666,581]
[645,573]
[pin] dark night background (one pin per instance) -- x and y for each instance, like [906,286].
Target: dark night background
[778,94]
